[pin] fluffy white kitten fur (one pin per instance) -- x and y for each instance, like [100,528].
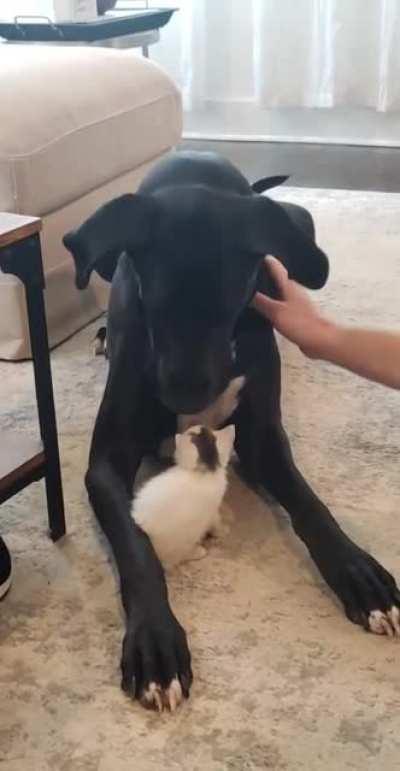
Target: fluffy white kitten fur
[180,506]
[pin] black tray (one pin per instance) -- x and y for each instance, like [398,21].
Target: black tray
[85,31]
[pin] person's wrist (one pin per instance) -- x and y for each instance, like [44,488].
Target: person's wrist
[324,340]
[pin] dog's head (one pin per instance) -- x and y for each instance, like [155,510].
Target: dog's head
[196,253]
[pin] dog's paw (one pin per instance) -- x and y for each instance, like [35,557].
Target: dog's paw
[155,663]
[369,593]
[100,342]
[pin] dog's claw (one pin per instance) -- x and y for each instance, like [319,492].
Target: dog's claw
[151,697]
[385,623]
[394,615]
[174,694]
[157,698]
[369,592]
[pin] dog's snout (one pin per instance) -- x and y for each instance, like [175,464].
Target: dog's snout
[185,389]
[190,378]
[182,383]
[188,393]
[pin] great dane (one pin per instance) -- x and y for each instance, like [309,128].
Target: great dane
[185,257]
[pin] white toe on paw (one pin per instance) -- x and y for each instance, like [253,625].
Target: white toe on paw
[173,694]
[379,623]
[394,615]
[152,697]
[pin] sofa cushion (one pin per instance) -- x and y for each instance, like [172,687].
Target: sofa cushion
[73,118]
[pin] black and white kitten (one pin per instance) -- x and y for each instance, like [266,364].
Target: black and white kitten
[180,506]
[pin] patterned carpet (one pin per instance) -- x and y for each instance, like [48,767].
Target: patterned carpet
[282,679]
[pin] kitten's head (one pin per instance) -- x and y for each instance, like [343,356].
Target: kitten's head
[200,448]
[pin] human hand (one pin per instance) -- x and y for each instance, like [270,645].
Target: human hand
[294,315]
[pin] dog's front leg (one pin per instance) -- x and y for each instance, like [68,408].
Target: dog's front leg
[368,592]
[155,657]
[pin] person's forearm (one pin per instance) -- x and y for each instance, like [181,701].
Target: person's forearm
[372,354]
[369,353]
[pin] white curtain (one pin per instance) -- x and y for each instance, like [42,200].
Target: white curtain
[278,53]
[287,53]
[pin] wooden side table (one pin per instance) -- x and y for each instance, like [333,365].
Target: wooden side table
[23,460]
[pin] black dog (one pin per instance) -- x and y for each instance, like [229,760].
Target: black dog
[185,255]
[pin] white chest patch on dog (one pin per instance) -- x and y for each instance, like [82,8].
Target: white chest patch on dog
[219,411]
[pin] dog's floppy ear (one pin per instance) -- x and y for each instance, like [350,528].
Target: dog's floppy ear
[122,224]
[287,232]
[267,182]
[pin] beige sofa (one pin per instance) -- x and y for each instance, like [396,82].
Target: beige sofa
[78,126]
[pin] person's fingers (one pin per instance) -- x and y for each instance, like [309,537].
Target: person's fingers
[265,305]
[279,274]
[276,265]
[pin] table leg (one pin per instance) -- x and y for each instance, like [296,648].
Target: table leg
[23,258]
[46,410]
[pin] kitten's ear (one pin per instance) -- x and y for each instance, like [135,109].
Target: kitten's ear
[228,433]
[225,440]
[185,451]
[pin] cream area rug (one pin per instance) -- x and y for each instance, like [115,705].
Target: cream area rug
[282,679]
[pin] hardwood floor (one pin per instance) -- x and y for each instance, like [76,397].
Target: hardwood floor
[328,166]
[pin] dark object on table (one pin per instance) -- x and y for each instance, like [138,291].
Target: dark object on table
[86,31]
[105,5]
[22,459]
